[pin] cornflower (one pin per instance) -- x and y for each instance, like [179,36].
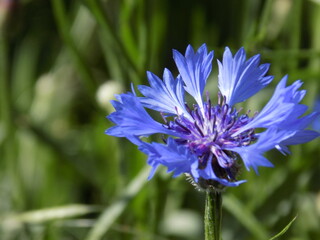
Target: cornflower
[204,140]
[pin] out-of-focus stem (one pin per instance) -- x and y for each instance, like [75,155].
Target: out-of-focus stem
[80,63]
[97,11]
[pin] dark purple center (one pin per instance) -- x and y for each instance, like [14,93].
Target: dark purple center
[211,131]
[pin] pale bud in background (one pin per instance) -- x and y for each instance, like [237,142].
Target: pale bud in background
[45,89]
[53,99]
[279,13]
[106,92]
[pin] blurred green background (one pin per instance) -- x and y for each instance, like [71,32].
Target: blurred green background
[62,61]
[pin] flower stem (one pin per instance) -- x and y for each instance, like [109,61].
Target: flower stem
[213,215]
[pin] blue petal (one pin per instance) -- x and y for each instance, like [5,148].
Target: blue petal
[253,159]
[282,108]
[132,119]
[316,122]
[194,68]
[278,136]
[297,137]
[165,96]
[240,79]
[177,158]
[295,123]
[147,149]
[252,155]
[300,136]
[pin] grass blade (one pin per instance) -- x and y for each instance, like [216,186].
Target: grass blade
[43,215]
[283,231]
[109,216]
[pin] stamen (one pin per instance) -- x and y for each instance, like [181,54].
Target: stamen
[199,117]
[215,134]
[214,122]
[188,108]
[183,127]
[164,118]
[209,109]
[219,98]
[212,132]
[207,95]
[176,110]
[239,110]
[224,112]
[231,123]
[199,130]
[224,100]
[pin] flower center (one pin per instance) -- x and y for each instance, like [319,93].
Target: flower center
[211,131]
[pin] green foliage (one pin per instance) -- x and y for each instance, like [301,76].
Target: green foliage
[283,231]
[61,62]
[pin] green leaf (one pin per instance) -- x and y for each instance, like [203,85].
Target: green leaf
[283,231]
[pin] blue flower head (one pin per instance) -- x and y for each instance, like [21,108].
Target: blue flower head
[205,140]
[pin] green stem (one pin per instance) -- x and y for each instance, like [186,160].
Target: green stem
[213,215]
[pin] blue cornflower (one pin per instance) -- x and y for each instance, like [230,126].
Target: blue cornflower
[206,140]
